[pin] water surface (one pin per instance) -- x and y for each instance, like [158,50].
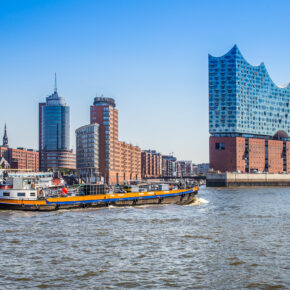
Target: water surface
[240,239]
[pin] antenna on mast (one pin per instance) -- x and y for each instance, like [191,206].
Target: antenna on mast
[55,83]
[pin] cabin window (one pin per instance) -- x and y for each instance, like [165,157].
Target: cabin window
[21,194]
[6,193]
[32,193]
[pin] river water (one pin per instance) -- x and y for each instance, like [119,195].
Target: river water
[238,238]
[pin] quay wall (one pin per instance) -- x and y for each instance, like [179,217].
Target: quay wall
[228,179]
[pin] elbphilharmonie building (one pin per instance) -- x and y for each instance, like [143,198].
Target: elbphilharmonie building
[248,117]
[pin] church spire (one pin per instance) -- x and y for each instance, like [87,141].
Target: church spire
[5,138]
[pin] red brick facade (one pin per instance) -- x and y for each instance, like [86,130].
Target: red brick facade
[249,154]
[21,158]
[288,156]
[257,154]
[229,156]
[151,164]
[275,153]
[119,161]
[4,152]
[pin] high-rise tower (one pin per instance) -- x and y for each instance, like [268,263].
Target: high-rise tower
[119,161]
[54,130]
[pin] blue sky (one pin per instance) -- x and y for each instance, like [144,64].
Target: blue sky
[151,56]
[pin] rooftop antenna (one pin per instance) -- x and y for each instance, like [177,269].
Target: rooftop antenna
[55,84]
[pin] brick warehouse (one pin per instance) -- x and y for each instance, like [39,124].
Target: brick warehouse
[20,158]
[248,117]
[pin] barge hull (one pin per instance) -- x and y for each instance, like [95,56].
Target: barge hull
[180,197]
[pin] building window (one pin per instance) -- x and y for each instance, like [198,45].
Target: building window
[220,146]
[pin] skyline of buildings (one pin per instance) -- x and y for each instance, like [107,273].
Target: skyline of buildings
[99,152]
[139,72]
[248,126]
[87,153]
[248,117]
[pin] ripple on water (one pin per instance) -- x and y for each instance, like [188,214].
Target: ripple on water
[238,240]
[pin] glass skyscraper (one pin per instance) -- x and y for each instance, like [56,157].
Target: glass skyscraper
[54,131]
[56,124]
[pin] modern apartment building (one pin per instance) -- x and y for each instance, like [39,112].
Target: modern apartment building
[168,165]
[183,168]
[200,169]
[248,117]
[151,164]
[119,161]
[54,130]
[87,153]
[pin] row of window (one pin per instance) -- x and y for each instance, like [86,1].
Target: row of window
[19,194]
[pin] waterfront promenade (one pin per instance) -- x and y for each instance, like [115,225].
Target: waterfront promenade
[232,179]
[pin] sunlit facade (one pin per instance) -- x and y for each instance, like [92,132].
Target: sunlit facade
[54,130]
[87,152]
[248,117]
[119,162]
[243,99]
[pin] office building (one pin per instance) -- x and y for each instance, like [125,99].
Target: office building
[119,162]
[54,131]
[248,117]
[87,153]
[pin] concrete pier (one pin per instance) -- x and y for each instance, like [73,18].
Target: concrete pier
[229,179]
